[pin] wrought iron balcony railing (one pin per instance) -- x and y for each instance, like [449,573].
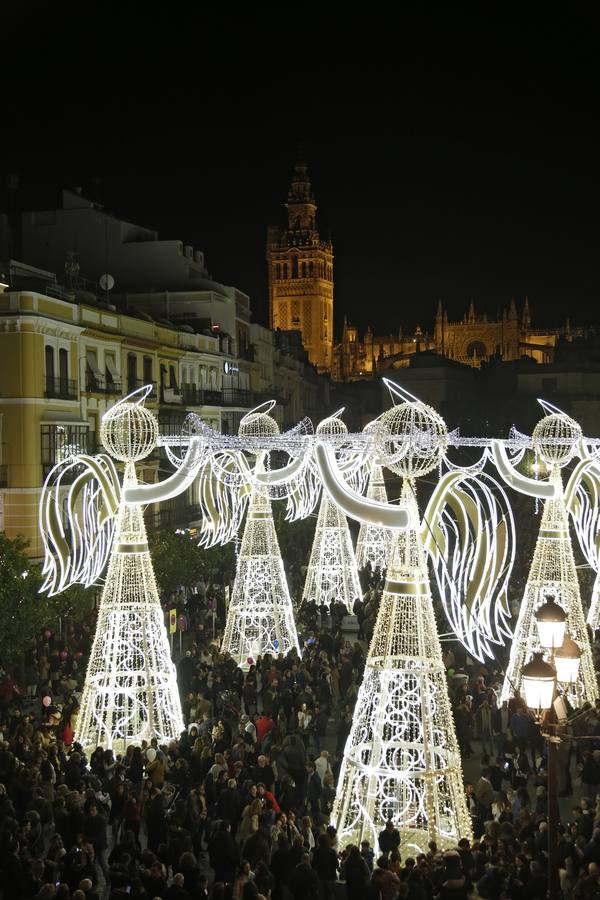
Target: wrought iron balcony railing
[60,388]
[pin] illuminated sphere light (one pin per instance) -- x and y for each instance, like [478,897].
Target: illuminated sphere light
[411,439]
[258,425]
[332,426]
[129,431]
[555,439]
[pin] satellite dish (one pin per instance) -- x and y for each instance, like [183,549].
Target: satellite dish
[107,282]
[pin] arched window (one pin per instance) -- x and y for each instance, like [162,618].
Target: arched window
[131,372]
[49,360]
[476,350]
[63,369]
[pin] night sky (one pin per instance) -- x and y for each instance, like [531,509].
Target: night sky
[453,156]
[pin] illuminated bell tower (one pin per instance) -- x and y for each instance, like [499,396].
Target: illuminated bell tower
[300,273]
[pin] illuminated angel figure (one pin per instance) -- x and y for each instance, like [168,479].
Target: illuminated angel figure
[374,542]
[401,760]
[130,692]
[552,572]
[332,574]
[260,617]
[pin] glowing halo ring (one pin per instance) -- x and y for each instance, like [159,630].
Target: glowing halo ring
[263,409]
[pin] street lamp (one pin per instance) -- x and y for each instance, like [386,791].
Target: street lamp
[540,679]
[551,621]
[566,659]
[539,684]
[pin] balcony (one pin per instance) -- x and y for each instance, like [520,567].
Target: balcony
[3,476]
[95,384]
[170,395]
[60,388]
[133,384]
[194,396]
[190,395]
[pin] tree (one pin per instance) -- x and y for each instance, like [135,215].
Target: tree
[178,560]
[23,610]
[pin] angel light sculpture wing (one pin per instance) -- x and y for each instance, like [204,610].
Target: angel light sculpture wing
[582,498]
[469,533]
[78,531]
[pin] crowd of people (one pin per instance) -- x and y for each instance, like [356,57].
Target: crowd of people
[240,805]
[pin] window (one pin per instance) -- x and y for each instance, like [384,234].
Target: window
[278,272]
[93,374]
[172,378]
[285,270]
[147,370]
[294,266]
[50,363]
[63,369]
[61,441]
[304,270]
[311,269]
[131,372]
[113,379]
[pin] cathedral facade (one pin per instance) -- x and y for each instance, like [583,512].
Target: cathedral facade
[300,274]
[300,281]
[472,340]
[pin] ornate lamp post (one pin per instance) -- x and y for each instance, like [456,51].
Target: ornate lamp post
[539,683]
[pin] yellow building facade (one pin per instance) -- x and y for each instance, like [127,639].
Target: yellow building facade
[300,274]
[65,363]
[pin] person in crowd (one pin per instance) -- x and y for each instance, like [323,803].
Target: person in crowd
[239,804]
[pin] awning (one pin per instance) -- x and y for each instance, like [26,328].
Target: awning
[91,361]
[61,418]
[112,369]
